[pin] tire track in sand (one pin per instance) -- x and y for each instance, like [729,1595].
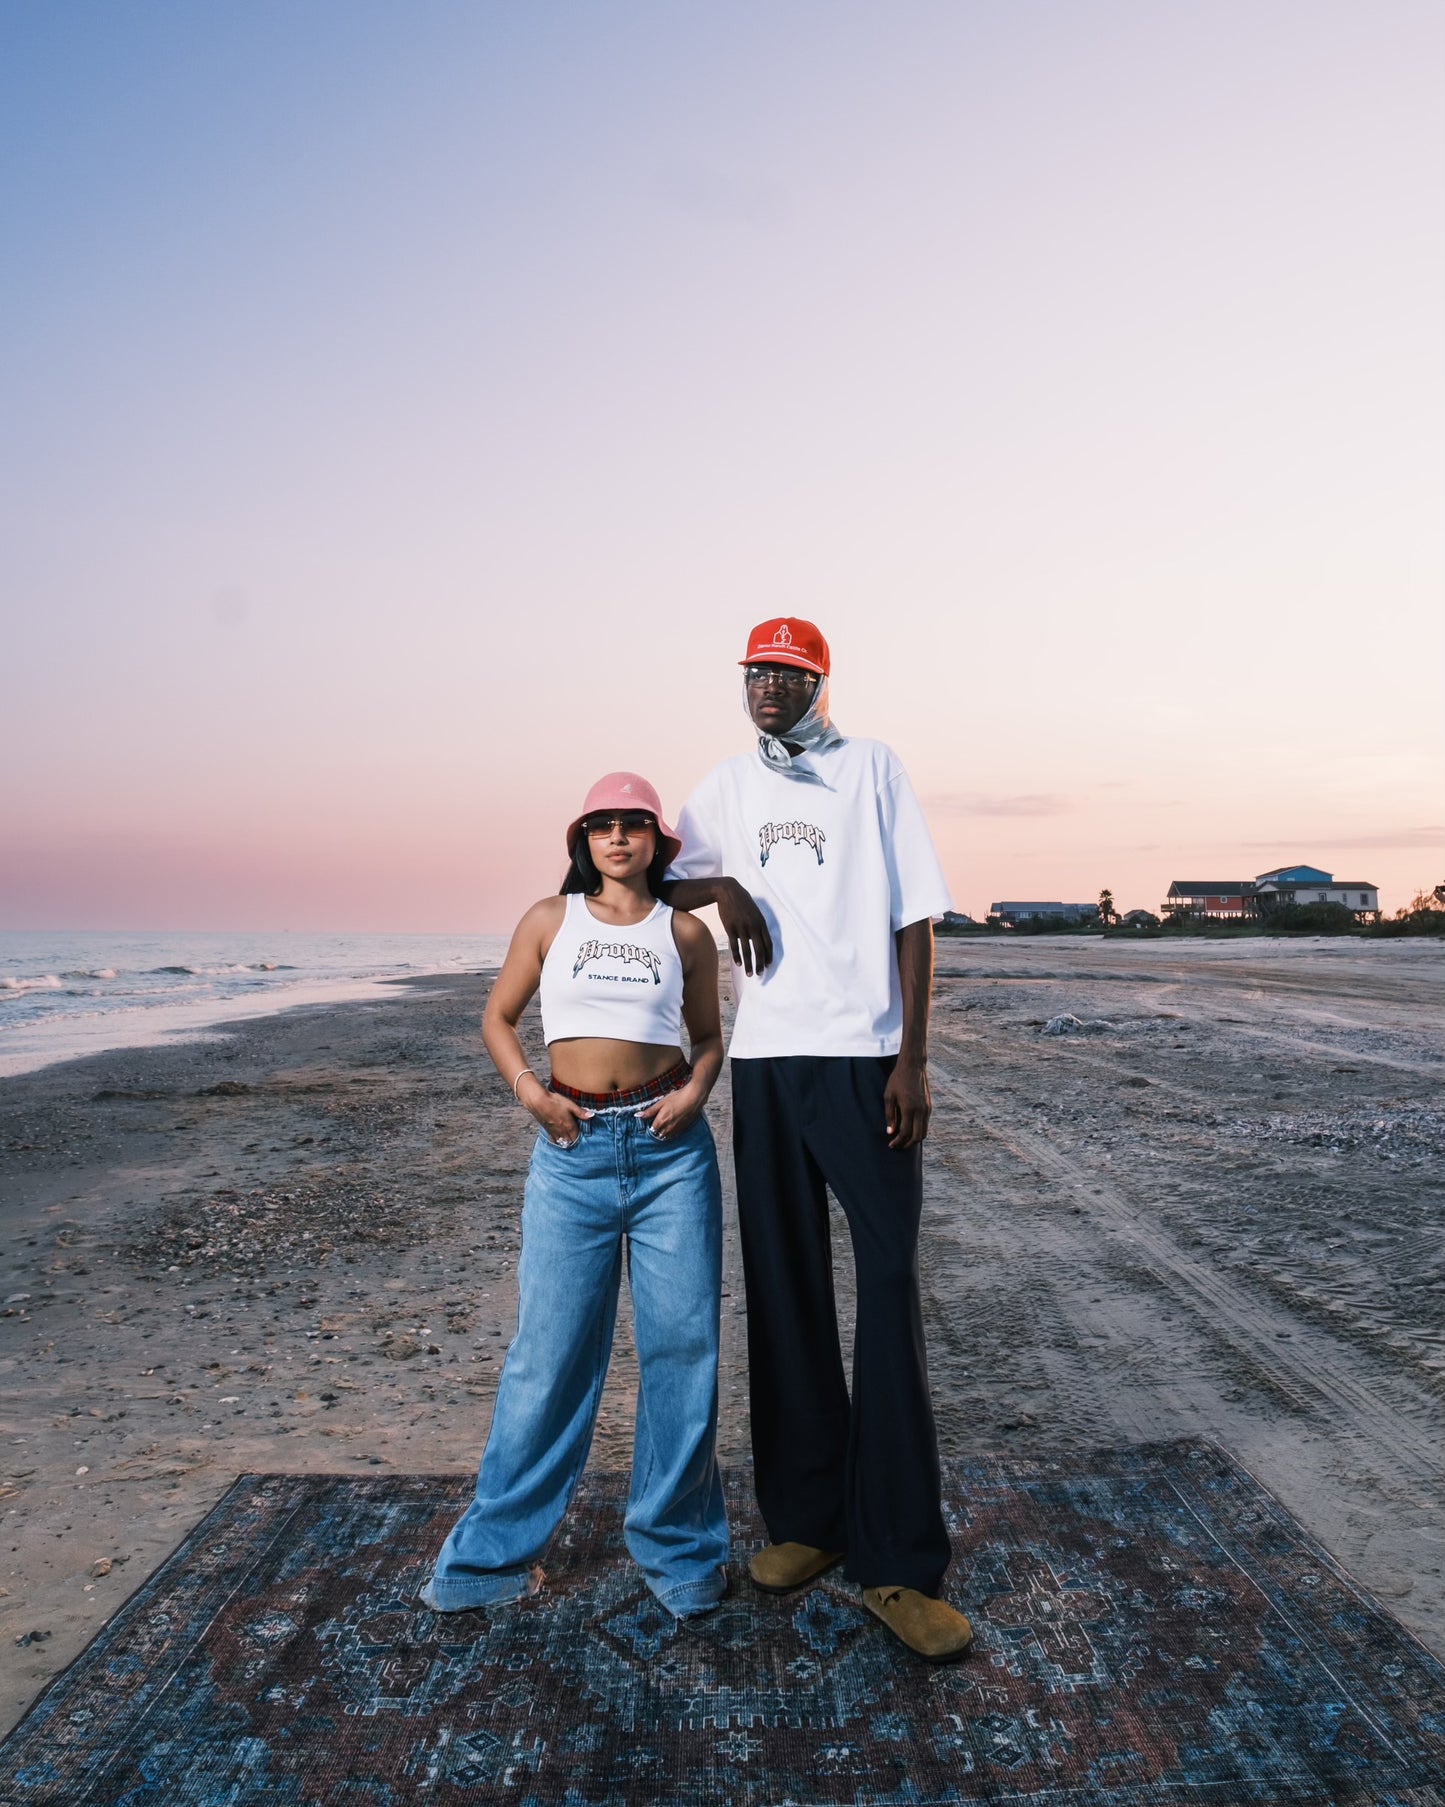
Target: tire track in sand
[1389,1412]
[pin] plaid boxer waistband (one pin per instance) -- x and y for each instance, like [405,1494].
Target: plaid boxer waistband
[638,1094]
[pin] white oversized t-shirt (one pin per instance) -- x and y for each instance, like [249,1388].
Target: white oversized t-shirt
[836,868]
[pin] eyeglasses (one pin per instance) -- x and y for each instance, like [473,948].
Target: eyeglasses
[630,821]
[786,677]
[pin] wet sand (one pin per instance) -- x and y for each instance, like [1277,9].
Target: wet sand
[1211,1205]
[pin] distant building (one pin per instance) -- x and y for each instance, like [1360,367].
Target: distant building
[1229,898]
[1239,900]
[1011,914]
[1308,885]
[955,919]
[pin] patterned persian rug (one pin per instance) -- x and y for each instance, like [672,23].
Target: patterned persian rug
[1152,1629]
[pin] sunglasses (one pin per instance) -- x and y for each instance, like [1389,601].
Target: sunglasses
[785,677]
[629,821]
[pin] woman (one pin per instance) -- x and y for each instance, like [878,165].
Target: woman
[624,1150]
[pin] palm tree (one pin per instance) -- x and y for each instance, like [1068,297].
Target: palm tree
[1107,913]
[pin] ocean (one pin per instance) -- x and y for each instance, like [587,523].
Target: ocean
[63,995]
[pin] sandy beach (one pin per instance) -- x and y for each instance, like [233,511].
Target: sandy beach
[1208,1202]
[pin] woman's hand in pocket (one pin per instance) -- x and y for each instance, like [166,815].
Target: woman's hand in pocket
[674,1115]
[561,1119]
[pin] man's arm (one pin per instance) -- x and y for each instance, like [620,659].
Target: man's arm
[700,828]
[749,942]
[906,1096]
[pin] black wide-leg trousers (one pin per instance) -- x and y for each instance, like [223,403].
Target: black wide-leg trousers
[859,1476]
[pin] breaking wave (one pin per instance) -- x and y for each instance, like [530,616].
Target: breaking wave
[218,972]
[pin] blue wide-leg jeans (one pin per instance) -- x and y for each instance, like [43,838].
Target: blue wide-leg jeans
[665,1198]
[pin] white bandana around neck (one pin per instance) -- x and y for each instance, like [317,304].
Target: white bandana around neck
[813,733]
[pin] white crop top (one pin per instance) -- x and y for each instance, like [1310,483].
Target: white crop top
[624,984]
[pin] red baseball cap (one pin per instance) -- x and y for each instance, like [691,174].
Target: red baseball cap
[786,640]
[621,791]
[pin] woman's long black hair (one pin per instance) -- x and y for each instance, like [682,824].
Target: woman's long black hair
[583,876]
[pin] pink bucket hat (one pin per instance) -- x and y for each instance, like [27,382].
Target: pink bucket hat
[619,791]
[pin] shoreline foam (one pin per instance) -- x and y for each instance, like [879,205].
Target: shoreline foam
[65,996]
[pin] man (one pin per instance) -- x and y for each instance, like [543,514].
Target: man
[817,855]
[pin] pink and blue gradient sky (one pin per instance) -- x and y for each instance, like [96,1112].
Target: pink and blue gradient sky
[408,410]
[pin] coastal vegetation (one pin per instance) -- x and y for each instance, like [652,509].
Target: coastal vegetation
[1291,919]
[1423,915]
[1309,919]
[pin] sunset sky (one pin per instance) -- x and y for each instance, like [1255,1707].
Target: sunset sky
[408,409]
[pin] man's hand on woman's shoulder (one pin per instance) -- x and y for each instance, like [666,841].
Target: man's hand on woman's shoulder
[749,940]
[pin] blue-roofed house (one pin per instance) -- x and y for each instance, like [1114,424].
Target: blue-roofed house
[1295,875]
[1310,885]
[1243,899]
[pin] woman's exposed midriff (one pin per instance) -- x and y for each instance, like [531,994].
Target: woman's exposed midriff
[594,1064]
